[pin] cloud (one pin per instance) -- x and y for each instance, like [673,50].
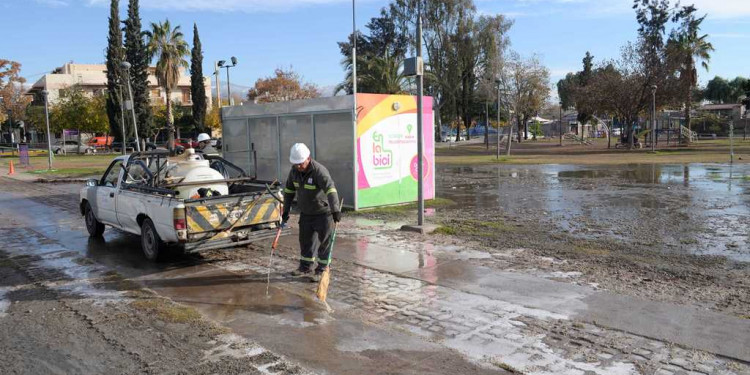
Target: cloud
[53,3]
[716,9]
[251,6]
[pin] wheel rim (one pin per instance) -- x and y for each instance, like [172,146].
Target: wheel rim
[148,241]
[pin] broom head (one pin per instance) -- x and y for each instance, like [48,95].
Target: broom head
[325,279]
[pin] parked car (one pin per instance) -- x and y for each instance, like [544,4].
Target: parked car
[186,142]
[130,146]
[71,147]
[99,142]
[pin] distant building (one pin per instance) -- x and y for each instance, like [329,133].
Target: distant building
[734,111]
[92,78]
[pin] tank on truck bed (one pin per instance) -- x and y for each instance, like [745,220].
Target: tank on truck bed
[199,203]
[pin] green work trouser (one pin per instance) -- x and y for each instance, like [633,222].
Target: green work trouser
[314,234]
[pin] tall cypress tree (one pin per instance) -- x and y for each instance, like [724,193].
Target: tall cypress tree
[115,56]
[197,89]
[137,55]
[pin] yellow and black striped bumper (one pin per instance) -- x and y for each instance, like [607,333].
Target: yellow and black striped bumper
[221,216]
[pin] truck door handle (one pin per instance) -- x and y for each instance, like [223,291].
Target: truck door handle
[112,195]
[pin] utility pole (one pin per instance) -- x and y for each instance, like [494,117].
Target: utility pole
[420,141]
[45,93]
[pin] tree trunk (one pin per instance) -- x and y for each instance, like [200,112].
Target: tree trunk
[629,126]
[688,103]
[170,124]
[518,127]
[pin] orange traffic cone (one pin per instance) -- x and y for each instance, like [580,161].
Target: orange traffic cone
[11,170]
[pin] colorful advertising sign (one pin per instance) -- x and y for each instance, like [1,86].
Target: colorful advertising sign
[387,149]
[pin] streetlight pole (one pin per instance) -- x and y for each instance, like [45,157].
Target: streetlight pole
[559,126]
[218,86]
[420,141]
[223,64]
[45,93]
[126,66]
[497,81]
[653,117]
[354,53]
[122,117]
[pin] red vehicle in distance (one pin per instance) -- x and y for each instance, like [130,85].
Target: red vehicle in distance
[186,142]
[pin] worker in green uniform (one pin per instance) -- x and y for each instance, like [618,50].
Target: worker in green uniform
[318,202]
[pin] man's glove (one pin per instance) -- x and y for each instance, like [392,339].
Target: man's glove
[284,217]
[336,216]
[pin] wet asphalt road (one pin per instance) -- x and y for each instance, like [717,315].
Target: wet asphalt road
[396,309]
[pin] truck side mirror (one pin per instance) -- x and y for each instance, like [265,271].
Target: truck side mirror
[92,182]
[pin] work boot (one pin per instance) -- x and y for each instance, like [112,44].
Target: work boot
[301,272]
[314,278]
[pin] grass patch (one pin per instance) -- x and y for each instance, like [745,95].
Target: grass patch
[588,250]
[473,228]
[404,208]
[448,231]
[167,310]
[70,172]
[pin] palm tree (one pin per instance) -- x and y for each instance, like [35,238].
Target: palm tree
[382,76]
[688,48]
[168,46]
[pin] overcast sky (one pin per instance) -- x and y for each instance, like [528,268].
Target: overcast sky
[266,34]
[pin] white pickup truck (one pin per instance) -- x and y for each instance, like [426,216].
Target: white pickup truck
[154,195]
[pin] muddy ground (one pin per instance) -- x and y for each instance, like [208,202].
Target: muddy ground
[54,324]
[668,233]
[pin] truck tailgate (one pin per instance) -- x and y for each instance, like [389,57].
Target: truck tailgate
[219,214]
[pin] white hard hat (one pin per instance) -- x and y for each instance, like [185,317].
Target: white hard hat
[203,137]
[299,153]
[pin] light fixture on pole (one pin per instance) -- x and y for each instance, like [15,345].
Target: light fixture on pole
[126,65]
[45,94]
[653,117]
[223,64]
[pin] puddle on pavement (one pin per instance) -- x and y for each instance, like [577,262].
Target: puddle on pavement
[698,208]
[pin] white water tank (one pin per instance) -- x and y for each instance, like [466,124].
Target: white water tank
[192,168]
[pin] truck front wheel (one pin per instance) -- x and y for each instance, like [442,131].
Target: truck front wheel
[93,226]
[150,241]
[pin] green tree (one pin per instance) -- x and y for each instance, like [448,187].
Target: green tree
[136,54]
[687,47]
[384,43]
[76,110]
[167,45]
[197,86]
[718,91]
[115,56]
